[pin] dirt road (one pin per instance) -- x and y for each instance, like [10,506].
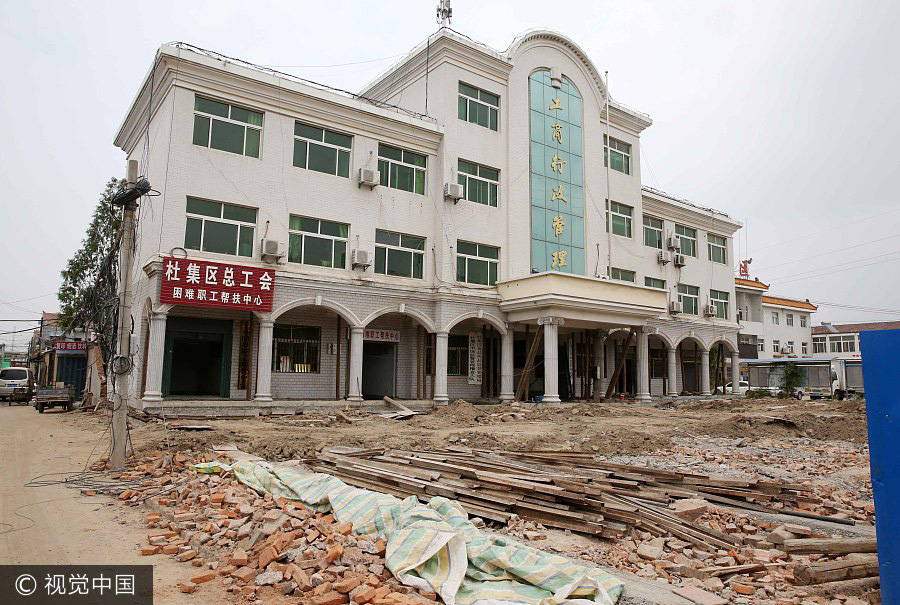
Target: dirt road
[56,524]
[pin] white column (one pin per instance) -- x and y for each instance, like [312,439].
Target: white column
[735,373]
[354,392]
[672,378]
[704,373]
[507,390]
[551,359]
[264,362]
[600,363]
[643,368]
[440,374]
[155,356]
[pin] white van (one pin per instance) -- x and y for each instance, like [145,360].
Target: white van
[16,384]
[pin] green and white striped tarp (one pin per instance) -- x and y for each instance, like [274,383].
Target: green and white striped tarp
[434,546]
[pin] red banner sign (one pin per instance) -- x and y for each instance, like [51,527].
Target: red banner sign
[71,346]
[381,335]
[213,284]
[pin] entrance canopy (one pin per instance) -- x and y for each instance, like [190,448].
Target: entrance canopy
[582,301]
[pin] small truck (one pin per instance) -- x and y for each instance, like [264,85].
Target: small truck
[53,397]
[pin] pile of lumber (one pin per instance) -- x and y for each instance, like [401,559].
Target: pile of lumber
[557,489]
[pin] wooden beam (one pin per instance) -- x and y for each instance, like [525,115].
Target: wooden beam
[864,566]
[529,363]
[619,365]
[830,546]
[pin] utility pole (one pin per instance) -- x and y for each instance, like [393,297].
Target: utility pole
[121,364]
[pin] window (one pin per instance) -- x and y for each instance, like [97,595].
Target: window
[790,346]
[652,282]
[761,345]
[318,243]
[719,299]
[480,183]
[819,344]
[230,233]
[476,263]
[621,218]
[621,274]
[401,169]
[657,363]
[399,254]
[688,240]
[789,319]
[227,127]
[478,106]
[296,349]
[689,297]
[621,155]
[718,252]
[804,348]
[457,355]
[653,232]
[842,344]
[803,321]
[322,150]
[775,318]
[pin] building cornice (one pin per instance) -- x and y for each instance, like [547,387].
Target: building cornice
[672,209]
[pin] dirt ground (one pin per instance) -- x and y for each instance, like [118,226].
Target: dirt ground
[55,524]
[822,443]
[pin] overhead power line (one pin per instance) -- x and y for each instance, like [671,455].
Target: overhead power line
[830,272]
[835,251]
[841,225]
[335,64]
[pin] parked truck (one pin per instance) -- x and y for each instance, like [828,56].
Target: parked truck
[835,378]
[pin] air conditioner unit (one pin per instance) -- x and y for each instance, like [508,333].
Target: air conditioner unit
[663,257]
[679,260]
[675,306]
[271,250]
[359,258]
[710,310]
[370,177]
[454,191]
[674,242]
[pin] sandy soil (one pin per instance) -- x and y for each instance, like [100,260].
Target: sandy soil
[56,524]
[608,429]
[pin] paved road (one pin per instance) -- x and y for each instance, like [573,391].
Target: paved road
[58,525]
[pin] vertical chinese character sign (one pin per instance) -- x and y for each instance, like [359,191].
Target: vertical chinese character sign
[557,178]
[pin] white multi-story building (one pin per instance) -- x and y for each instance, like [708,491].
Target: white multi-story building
[842,340]
[420,235]
[772,326]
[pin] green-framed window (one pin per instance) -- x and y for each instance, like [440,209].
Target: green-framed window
[621,216]
[295,349]
[478,106]
[688,240]
[481,184]
[401,169]
[621,155]
[653,282]
[719,300]
[317,242]
[477,263]
[227,127]
[457,355]
[621,274]
[219,227]
[689,297]
[653,232]
[717,248]
[322,150]
[399,254]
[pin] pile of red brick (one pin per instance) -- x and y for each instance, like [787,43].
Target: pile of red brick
[258,545]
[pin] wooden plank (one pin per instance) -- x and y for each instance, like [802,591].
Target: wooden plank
[830,546]
[834,571]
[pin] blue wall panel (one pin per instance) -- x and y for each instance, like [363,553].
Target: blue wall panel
[881,368]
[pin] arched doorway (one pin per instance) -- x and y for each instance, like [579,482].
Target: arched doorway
[398,355]
[690,358]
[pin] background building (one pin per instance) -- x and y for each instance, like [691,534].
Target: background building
[842,340]
[431,237]
[772,326]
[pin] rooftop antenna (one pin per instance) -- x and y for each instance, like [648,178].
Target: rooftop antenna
[444,13]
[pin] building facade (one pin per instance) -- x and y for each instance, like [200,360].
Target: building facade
[430,238]
[772,326]
[842,340]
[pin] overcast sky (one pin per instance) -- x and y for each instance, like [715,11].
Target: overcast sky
[782,114]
